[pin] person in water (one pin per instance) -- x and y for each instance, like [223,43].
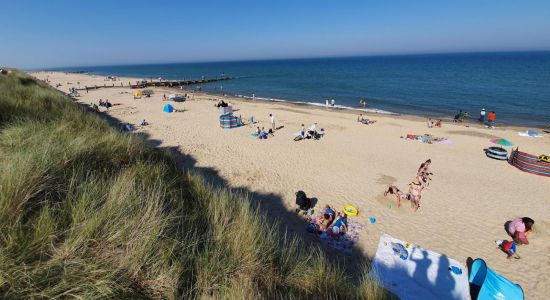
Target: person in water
[482,115]
[518,229]
[491,119]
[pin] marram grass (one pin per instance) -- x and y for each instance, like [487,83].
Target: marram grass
[87,212]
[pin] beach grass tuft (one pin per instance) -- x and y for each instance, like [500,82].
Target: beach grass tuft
[89,212]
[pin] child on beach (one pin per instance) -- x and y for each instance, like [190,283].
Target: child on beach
[509,247]
[518,229]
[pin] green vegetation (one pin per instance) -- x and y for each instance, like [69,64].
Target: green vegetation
[89,212]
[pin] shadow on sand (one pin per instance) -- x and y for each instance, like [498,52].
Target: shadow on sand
[285,219]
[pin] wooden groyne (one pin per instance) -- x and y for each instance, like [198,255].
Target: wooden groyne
[158,83]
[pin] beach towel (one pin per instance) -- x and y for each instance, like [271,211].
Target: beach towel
[344,243]
[428,139]
[412,272]
[530,133]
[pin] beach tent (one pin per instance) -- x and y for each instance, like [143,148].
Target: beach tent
[168,108]
[411,272]
[228,121]
[491,285]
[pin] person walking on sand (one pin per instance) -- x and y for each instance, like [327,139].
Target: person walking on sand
[272,121]
[482,115]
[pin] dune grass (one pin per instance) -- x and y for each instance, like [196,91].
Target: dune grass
[89,212]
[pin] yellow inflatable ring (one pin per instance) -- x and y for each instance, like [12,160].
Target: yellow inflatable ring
[350,211]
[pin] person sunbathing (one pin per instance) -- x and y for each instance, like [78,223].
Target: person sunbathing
[303,131]
[312,131]
[263,134]
[258,132]
[324,222]
[438,123]
[363,120]
[340,227]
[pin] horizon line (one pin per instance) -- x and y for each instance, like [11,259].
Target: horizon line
[288,58]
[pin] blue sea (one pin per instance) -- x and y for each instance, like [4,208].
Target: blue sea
[514,85]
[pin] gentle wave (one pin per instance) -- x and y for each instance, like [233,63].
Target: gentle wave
[336,106]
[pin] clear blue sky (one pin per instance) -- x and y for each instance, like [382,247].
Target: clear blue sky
[36,34]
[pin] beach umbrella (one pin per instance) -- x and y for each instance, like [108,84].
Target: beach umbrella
[502,142]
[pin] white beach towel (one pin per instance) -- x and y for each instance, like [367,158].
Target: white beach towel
[411,272]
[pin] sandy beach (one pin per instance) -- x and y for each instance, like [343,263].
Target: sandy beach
[462,212]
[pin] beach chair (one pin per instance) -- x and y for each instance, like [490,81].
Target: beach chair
[488,285]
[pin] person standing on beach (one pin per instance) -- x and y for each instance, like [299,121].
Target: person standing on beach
[326,102]
[482,115]
[272,121]
[332,102]
[491,119]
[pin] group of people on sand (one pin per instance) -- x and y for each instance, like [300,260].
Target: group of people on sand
[222,104]
[309,133]
[262,134]
[517,229]
[328,220]
[416,187]
[105,103]
[331,222]
[434,123]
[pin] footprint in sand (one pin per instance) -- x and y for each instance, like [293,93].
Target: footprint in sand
[386,179]
[389,202]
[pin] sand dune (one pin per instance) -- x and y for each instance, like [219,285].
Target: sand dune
[462,211]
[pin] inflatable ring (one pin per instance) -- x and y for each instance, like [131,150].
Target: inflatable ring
[350,210]
[496,153]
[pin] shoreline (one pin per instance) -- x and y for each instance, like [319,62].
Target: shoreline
[471,121]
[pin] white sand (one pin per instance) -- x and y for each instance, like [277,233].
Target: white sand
[462,212]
